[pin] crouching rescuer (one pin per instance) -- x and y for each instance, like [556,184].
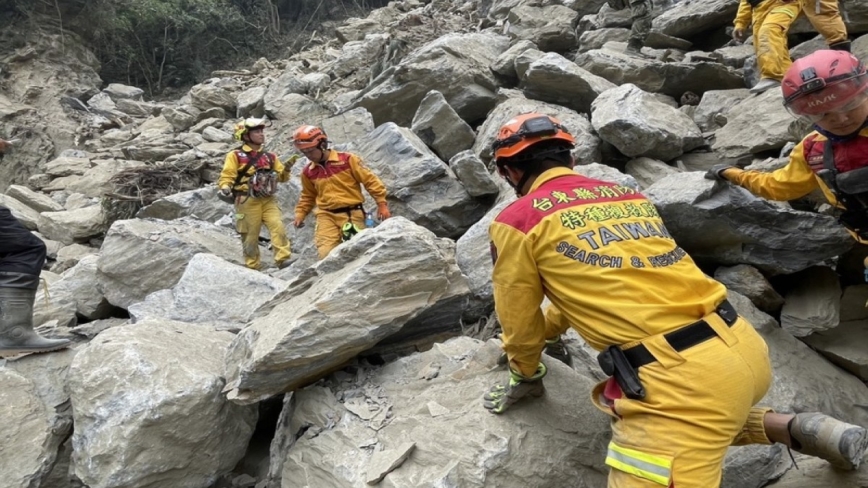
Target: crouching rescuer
[685,369]
[249,180]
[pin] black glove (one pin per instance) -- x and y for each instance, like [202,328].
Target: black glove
[716,172]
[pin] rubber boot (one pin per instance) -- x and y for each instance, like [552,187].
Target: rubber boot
[841,46]
[841,444]
[16,317]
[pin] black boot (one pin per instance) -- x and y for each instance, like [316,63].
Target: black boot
[17,292]
[558,350]
[841,46]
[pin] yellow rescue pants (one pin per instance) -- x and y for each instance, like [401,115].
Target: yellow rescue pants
[698,402]
[826,18]
[250,214]
[771,20]
[327,234]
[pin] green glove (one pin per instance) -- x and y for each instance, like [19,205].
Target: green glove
[500,397]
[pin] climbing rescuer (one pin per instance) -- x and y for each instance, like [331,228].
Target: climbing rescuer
[771,21]
[830,89]
[685,369]
[332,181]
[249,180]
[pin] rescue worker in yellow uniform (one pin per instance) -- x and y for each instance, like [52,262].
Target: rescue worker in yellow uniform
[686,370]
[332,181]
[771,21]
[830,89]
[250,175]
[825,16]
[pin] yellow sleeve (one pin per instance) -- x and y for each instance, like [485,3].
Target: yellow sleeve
[518,293]
[556,323]
[744,16]
[307,199]
[794,180]
[230,170]
[367,178]
[280,169]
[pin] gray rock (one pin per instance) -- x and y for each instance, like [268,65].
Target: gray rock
[715,103]
[553,78]
[670,78]
[813,304]
[202,204]
[440,128]
[28,217]
[455,64]
[648,171]
[749,282]
[162,250]
[69,226]
[757,123]
[149,411]
[467,446]
[355,298]
[251,102]
[504,65]
[208,293]
[728,225]
[421,188]
[473,174]
[550,27]
[638,124]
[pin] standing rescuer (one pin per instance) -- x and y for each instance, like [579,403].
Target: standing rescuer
[332,181]
[249,179]
[685,369]
[22,256]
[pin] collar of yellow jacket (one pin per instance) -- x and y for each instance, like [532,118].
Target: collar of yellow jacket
[549,175]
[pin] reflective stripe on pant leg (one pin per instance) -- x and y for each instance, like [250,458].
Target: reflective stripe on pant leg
[650,467]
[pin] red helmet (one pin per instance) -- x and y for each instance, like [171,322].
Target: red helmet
[822,82]
[523,131]
[308,136]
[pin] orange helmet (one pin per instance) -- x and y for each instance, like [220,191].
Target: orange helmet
[308,136]
[523,131]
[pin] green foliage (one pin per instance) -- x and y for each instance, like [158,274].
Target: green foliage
[155,44]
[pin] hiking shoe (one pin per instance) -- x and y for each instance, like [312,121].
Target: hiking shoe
[286,264]
[557,349]
[841,444]
[765,84]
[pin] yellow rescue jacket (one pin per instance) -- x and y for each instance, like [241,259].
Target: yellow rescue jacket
[232,165]
[600,252]
[799,176]
[336,184]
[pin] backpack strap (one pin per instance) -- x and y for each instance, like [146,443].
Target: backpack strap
[240,154]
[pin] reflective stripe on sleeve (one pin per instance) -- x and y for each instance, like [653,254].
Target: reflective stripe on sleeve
[655,468]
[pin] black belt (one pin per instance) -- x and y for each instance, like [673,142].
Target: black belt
[344,209]
[683,338]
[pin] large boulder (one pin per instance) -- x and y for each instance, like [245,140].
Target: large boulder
[149,411]
[456,65]
[396,283]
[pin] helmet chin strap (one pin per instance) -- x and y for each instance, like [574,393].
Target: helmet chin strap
[516,187]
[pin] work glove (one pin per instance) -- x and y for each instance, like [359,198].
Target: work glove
[739,34]
[500,397]
[298,223]
[383,211]
[716,172]
[226,191]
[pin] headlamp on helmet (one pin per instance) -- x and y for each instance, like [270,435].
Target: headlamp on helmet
[524,131]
